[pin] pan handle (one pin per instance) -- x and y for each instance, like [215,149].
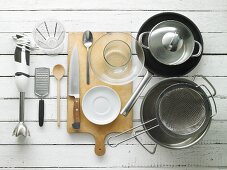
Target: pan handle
[148,150]
[200,50]
[141,40]
[134,135]
[136,94]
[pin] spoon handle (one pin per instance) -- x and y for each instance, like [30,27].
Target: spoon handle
[58,103]
[88,68]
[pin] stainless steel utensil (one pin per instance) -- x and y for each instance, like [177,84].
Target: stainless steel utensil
[74,86]
[171,42]
[87,40]
[154,67]
[149,123]
[21,128]
[42,81]
[183,110]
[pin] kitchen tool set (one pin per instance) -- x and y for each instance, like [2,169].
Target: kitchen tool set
[190,114]
[152,65]
[99,132]
[175,113]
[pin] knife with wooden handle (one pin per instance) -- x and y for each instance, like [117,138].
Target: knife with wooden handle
[76,113]
[74,86]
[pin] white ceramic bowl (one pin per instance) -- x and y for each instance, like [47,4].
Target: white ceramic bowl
[101,105]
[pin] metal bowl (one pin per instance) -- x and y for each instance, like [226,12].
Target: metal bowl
[148,113]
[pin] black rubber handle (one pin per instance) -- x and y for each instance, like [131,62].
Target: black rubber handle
[41,112]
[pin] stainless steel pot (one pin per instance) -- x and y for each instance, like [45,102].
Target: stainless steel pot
[171,42]
[151,127]
[153,66]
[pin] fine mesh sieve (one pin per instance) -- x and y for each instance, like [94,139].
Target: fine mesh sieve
[183,110]
[150,117]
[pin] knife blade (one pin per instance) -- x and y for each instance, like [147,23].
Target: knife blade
[74,86]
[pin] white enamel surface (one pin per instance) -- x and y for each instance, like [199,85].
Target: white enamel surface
[101,105]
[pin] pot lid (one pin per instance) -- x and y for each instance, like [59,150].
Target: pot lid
[169,41]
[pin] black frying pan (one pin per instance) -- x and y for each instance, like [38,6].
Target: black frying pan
[155,67]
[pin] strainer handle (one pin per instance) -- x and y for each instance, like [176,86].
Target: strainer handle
[134,135]
[148,150]
[204,78]
[212,97]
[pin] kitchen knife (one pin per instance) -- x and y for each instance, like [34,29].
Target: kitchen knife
[74,89]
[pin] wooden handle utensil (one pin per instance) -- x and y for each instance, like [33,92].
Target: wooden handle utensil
[76,113]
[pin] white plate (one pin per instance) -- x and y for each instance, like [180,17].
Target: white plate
[101,105]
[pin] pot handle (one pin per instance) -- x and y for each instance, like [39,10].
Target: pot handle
[212,97]
[148,150]
[210,94]
[211,85]
[133,136]
[200,49]
[136,94]
[141,40]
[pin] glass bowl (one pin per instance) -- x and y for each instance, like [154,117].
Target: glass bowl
[116,58]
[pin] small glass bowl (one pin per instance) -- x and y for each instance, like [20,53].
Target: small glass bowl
[121,46]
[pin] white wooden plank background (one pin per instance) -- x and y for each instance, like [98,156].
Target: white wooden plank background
[50,147]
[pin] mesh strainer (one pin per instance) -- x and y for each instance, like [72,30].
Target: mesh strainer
[183,110]
[188,113]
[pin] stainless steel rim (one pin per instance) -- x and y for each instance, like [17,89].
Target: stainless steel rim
[205,102]
[188,142]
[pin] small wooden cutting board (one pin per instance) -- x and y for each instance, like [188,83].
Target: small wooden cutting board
[124,91]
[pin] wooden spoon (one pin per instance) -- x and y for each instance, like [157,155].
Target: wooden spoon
[58,72]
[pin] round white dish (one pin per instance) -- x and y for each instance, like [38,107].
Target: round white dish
[101,105]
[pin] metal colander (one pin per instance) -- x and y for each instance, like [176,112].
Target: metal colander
[182,110]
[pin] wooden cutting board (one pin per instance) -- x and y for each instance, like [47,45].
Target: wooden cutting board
[98,131]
